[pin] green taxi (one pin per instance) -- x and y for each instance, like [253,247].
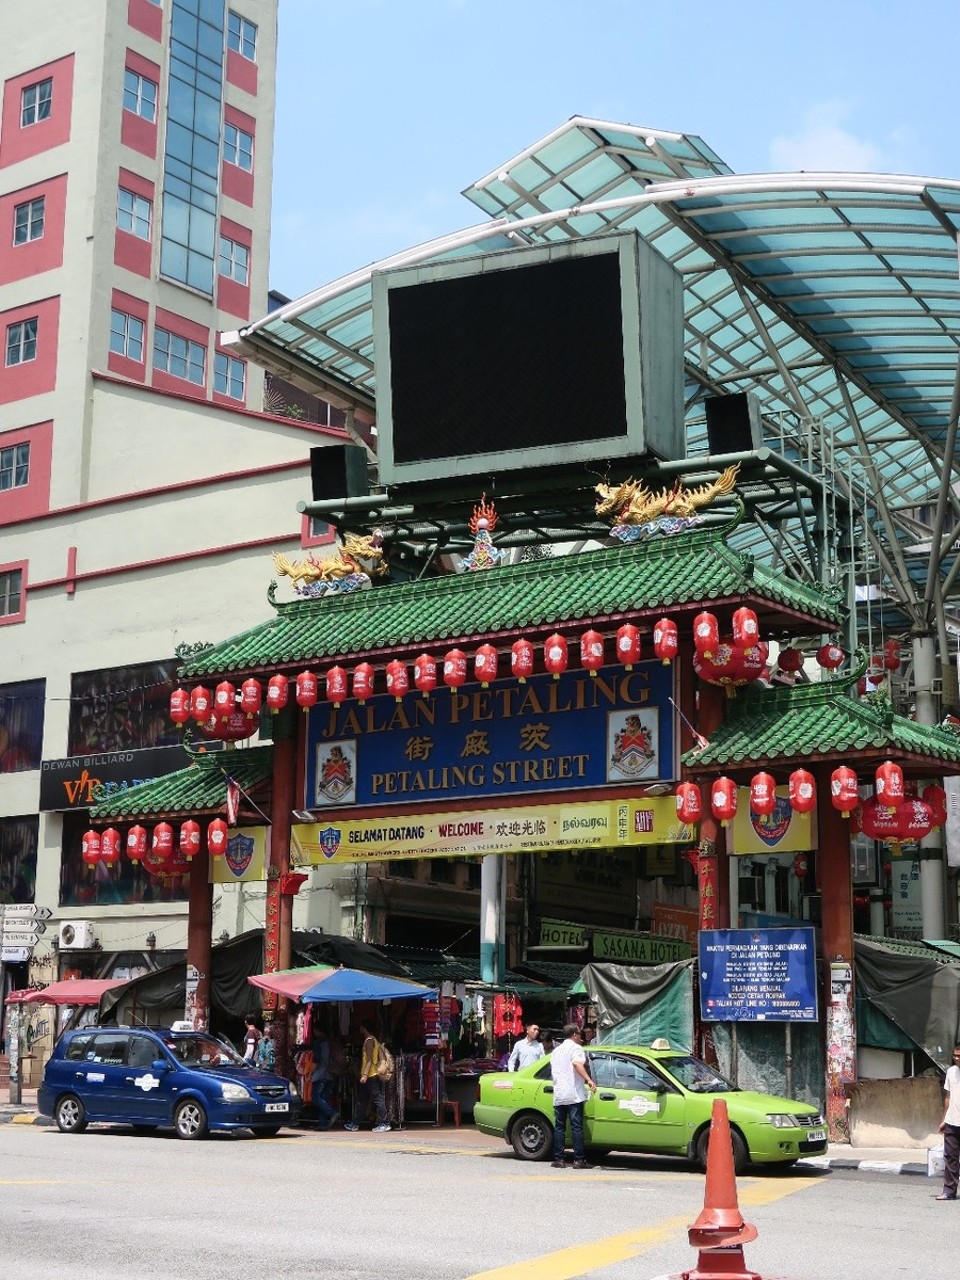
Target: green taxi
[656,1101]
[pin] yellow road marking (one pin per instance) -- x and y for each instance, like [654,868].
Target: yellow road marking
[582,1259]
[33,1182]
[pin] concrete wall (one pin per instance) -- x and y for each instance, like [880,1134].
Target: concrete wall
[896,1113]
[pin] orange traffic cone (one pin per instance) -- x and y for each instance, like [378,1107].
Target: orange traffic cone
[720,1232]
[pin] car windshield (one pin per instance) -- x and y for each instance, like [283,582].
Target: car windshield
[197,1050]
[697,1076]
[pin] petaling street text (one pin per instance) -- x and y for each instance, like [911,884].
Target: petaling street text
[412,781]
[380,715]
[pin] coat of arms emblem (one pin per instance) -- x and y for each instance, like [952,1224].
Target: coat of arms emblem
[336,774]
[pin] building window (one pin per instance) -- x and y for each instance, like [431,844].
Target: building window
[122,708]
[22,341]
[179,357]
[126,335]
[237,147]
[18,856]
[229,376]
[15,466]
[134,214]
[28,221]
[242,36]
[11,592]
[21,714]
[35,102]
[139,95]
[234,260]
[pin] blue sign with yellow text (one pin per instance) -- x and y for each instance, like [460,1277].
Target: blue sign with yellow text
[616,729]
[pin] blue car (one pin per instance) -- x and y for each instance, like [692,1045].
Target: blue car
[151,1078]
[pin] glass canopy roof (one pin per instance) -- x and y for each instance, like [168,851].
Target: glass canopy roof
[833,296]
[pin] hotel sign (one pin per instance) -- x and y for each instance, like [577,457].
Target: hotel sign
[614,730]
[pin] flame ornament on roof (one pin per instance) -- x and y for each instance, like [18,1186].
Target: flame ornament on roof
[636,512]
[481,525]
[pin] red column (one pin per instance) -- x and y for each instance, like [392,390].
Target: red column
[199,927]
[713,841]
[279,906]
[836,889]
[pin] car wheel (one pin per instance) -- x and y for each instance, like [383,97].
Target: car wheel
[272,1132]
[70,1115]
[190,1119]
[532,1136]
[741,1156]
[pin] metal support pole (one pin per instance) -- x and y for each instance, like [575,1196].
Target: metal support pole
[489,910]
[931,854]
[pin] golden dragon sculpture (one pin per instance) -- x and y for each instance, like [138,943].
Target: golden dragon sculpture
[632,503]
[360,554]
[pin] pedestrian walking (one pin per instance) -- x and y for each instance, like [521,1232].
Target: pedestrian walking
[251,1038]
[373,1061]
[571,1080]
[527,1050]
[950,1128]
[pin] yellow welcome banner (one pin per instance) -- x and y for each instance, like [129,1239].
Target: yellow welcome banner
[457,833]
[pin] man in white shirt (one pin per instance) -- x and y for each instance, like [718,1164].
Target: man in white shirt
[950,1128]
[571,1080]
[527,1050]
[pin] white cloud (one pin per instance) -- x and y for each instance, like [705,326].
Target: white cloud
[822,142]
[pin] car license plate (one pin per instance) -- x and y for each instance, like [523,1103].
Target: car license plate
[817,1135]
[277,1106]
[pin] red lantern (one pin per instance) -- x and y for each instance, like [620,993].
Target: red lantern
[454,669]
[398,679]
[723,800]
[425,674]
[665,641]
[90,848]
[485,662]
[763,794]
[800,866]
[180,706]
[862,686]
[706,634]
[521,660]
[843,790]
[555,655]
[110,846]
[307,690]
[136,843]
[790,661]
[936,798]
[830,656]
[336,685]
[803,791]
[915,818]
[217,837]
[362,682]
[278,691]
[239,724]
[879,822]
[161,845]
[225,700]
[724,668]
[251,697]
[890,785]
[753,663]
[591,651]
[891,655]
[689,804]
[200,704]
[746,630]
[628,645]
[190,839]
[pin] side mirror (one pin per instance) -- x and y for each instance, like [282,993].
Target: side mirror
[160,1064]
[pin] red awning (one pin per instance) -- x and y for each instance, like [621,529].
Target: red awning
[74,991]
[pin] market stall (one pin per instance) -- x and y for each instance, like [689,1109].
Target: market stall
[350,996]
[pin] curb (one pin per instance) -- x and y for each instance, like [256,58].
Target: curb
[23,1117]
[866,1166]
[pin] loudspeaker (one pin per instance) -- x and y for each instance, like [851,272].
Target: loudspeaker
[339,471]
[733,423]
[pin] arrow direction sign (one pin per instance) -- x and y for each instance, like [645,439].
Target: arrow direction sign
[14,955]
[20,925]
[26,910]
[18,939]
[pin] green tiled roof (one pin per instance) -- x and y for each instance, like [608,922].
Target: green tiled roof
[199,789]
[817,721]
[689,571]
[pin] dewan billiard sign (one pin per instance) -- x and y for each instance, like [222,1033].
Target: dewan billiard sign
[616,729]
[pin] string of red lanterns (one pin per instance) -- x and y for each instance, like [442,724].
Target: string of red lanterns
[158,852]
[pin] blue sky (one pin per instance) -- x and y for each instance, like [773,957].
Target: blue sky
[387,109]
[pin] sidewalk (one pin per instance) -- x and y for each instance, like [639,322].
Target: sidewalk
[839,1156]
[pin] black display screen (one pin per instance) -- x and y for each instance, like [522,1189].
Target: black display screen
[508,360]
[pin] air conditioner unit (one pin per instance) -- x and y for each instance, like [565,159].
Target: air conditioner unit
[77,935]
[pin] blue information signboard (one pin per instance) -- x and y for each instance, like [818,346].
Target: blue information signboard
[758,975]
